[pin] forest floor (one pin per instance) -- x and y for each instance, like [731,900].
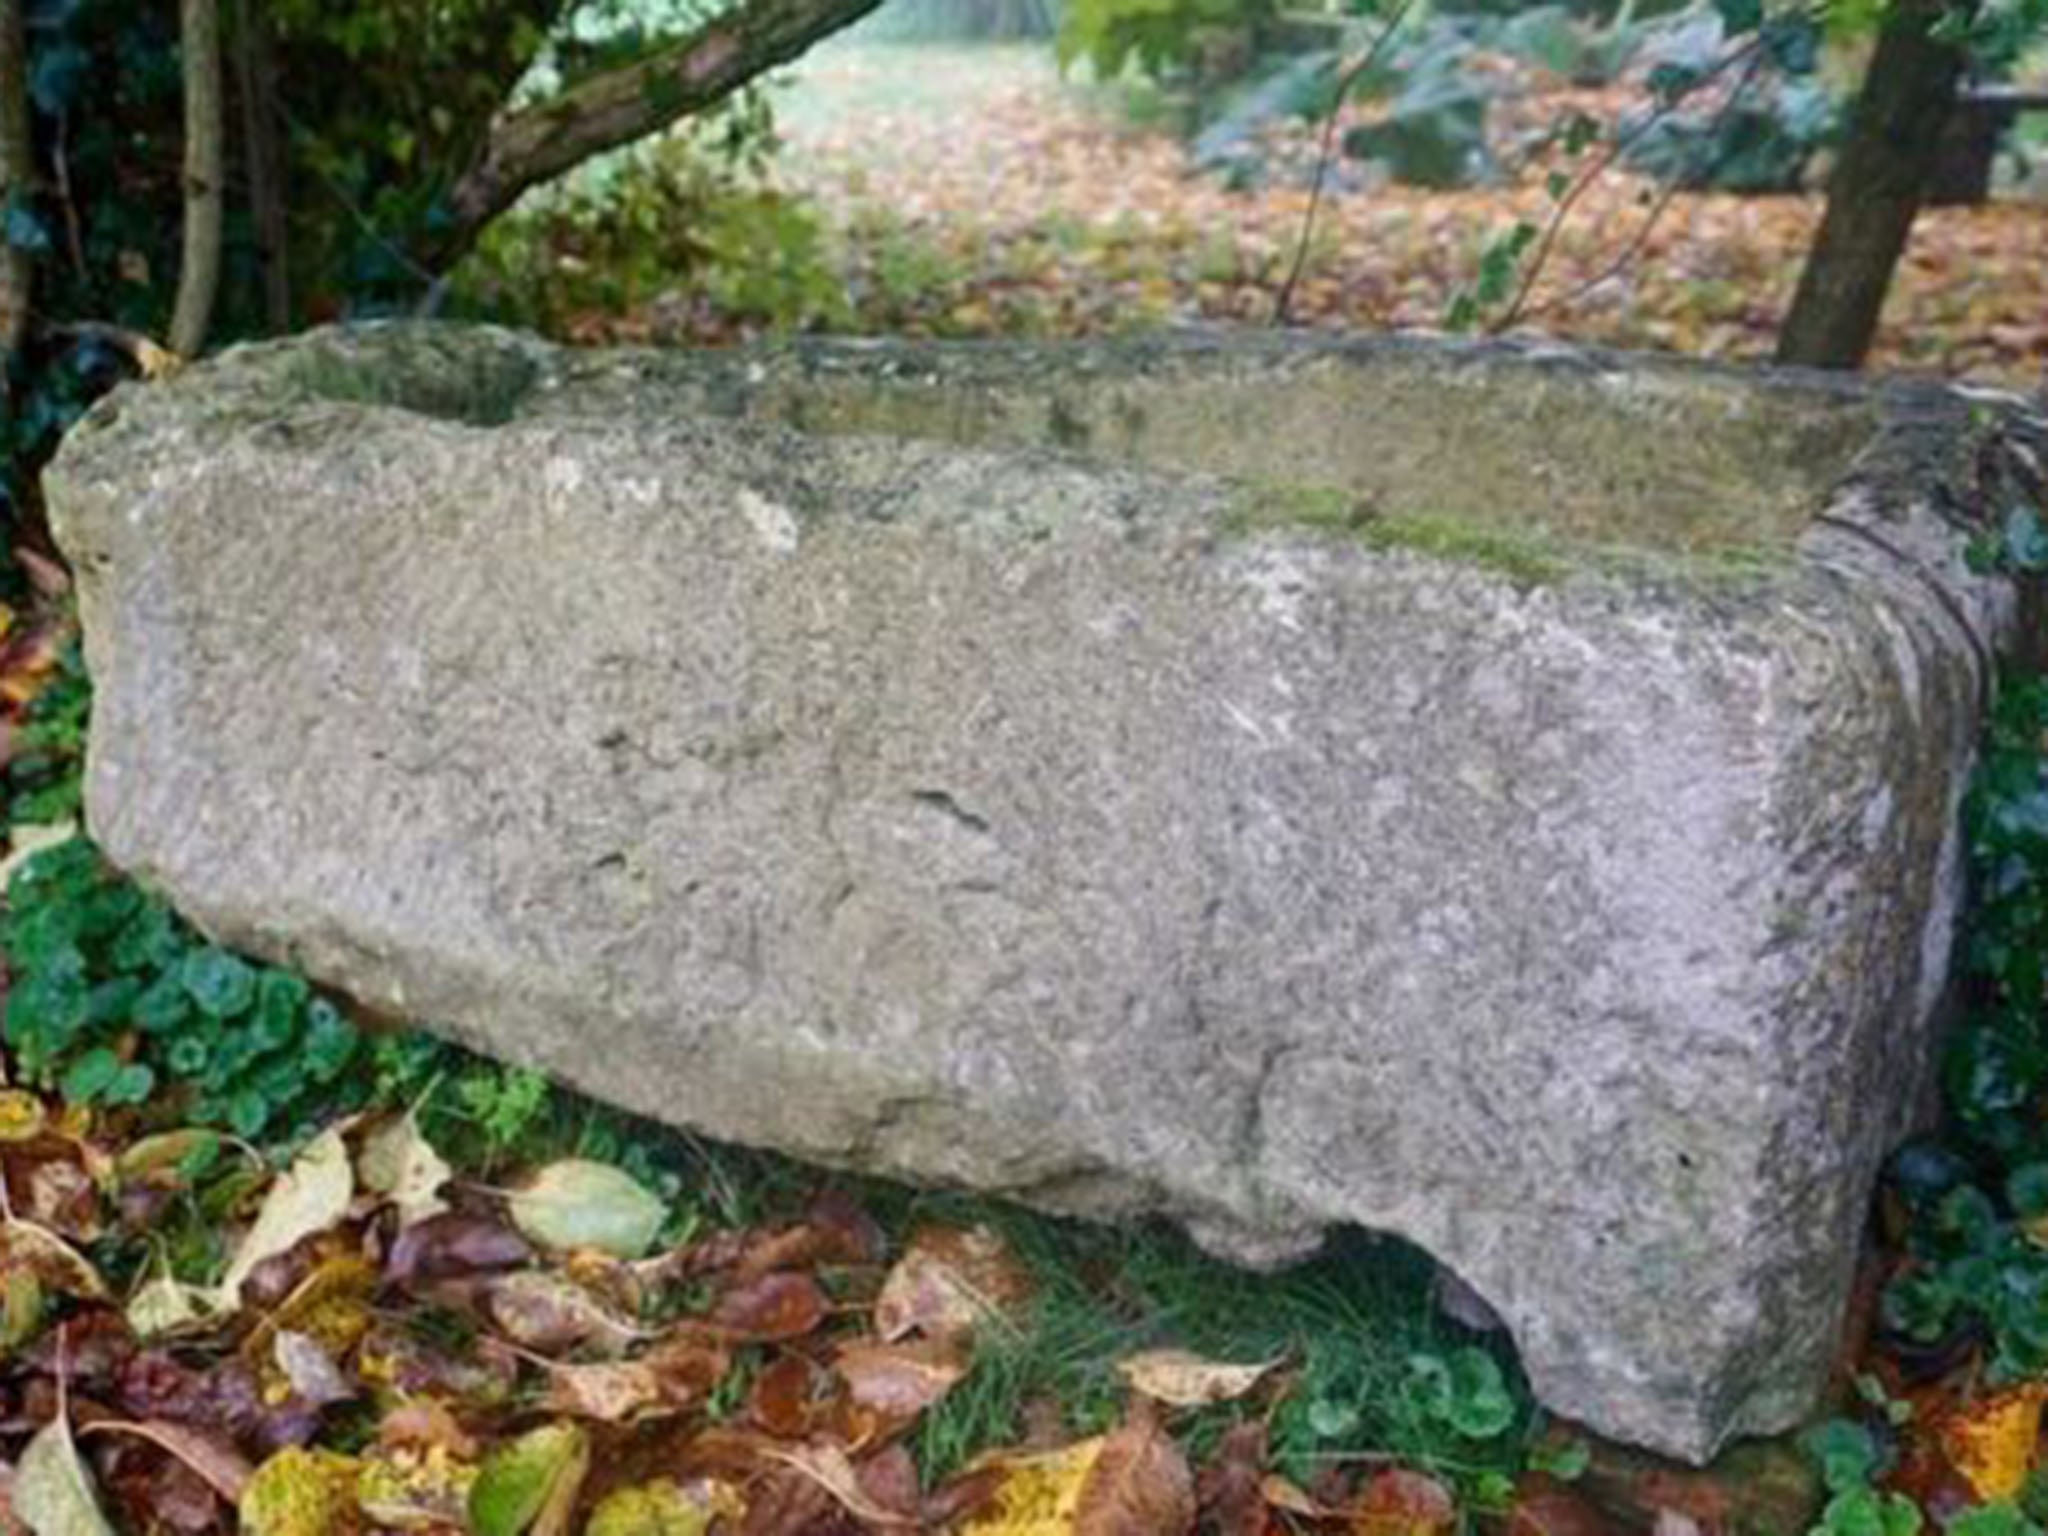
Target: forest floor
[1036,205]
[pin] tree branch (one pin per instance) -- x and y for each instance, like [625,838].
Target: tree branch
[531,145]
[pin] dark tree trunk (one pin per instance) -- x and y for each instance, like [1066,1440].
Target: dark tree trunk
[263,159]
[17,179]
[1895,135]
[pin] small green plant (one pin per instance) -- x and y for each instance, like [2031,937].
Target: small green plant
[1850,1464]
[113,995]
[44,770]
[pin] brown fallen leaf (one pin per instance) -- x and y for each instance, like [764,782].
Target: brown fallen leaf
[1139,1485]
[211,1456]
[787,1396]
[451,1246]
[899,1381]
[829,1467]
[1398,1502]
[1227,1491]
[1183,1379]
[611,1392]
[770,1310]
[949,1282]
[552,1315]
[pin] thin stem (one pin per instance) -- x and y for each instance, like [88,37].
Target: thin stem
[1350,78]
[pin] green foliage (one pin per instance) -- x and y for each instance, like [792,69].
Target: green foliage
[44,772]
[688,226]
[113,994]
[1850,1462]
[1159,36]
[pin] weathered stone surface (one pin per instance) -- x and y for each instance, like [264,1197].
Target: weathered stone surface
[1499,797]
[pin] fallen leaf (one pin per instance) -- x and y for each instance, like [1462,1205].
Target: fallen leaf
[415,1488]
[770,1310]
[453,1247]
[1543,1507]
[1039,1495]
[398,1162]
[53,1494]
[1398,1502]
[551,1315]
[948,1283]
[164,1307]
[217,1462]
[610,1393]
[899,1381]
[309,1369]
[829,1467]
[531,1484]
[786,1396]
[22,1115]
[1991,1441]
[310,1196]
[1185,1380]
[300,1492]
[1140,1485]
[54,1262]
[1228,1492]
[579,1204]
[665,1507]
[166,1153]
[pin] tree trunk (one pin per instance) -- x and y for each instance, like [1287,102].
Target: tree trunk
[17,179]
[1895,136]
[199,268]
[263,160]
[530,145]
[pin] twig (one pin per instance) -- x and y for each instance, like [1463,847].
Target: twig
[1618,146]
[1665,195]
[1350,78]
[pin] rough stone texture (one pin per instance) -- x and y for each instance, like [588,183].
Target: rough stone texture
[1499,796]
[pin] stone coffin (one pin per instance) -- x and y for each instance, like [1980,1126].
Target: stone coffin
[1500,796]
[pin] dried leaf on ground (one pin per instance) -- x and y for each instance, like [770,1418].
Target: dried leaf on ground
[899,1381]
[1038,1495]
[949,1282]
[575,1203]
[665,1507]
[398,1162]
[58,1266]
[771,1309]
[53,1494]
[454,1246]
[165,1308]
[1228,1492]
[415,1488]
[1183,1379]
[301,1492]
[610,1393]
[1992,1441]
[309,1369]
[1140,1485]
[1398,1502]
[552,1315]
[213,1458]
[309,1197]
[830,1468]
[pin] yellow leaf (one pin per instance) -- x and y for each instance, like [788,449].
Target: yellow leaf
[1041,1494]
[1991,1442]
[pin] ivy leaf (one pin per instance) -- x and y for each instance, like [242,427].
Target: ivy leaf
[90,1076]
[223,985]
[1740,16]
[2024,541]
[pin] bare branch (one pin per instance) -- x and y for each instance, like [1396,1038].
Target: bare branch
[1350,78]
